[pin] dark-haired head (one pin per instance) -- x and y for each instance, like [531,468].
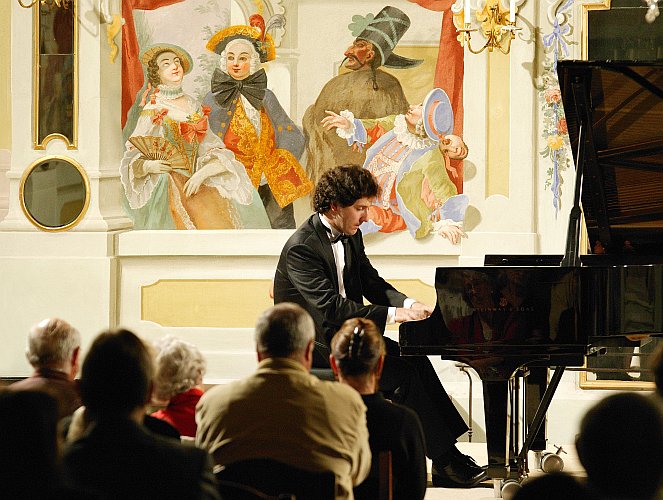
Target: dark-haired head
[620,444]
[117,374]
[357,349]
[28,443]
[657,367]
[343,186]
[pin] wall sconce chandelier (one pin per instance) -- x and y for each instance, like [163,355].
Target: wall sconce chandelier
[49,3]
[494,20]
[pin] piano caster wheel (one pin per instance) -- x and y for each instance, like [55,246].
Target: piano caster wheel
[552,462]
[505,488]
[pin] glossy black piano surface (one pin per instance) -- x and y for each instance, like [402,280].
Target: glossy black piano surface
[506,312]
[543,314]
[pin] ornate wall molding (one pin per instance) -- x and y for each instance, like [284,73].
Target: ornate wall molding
[553,127]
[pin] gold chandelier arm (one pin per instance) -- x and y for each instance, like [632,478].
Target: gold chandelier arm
[469,47]
[32,4]
[508,44]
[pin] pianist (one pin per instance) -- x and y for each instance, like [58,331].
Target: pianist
[323,268]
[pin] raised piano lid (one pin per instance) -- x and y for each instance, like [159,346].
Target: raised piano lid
[620,149]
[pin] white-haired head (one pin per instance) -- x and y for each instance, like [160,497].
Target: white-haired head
[179,367]
[235,46]
[53,343]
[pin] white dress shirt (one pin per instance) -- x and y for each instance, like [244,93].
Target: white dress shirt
[339,259]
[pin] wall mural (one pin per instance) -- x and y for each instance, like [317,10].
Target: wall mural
[209,146]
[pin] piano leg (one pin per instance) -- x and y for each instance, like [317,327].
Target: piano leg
[536,383]
[541,411]
[496,407]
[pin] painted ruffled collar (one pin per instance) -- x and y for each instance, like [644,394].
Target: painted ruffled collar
[407,138]
[170,91]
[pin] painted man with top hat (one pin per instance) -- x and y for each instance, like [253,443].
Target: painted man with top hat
[251,122]
[408,154]
[366,89]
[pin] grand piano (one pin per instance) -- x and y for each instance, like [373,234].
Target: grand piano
[532,312]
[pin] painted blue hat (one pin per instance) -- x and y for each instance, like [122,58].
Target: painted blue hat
[437,114]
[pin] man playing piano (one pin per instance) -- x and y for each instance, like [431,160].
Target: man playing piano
[323,267]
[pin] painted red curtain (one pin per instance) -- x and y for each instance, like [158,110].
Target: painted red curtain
[449,74]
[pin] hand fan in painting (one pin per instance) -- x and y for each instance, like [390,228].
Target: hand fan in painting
[158,148]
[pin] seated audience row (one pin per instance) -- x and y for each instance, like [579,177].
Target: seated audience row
[280,412]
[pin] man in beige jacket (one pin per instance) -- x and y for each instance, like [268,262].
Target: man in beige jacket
[284,413]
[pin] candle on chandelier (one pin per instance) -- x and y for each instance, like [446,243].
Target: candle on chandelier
[512,11]
[466,12]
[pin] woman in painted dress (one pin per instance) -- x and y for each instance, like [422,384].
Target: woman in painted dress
[176,174]
[407,154]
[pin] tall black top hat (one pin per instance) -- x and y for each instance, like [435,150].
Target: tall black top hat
[384,31]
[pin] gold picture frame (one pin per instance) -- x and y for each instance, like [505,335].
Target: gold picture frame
[55,75]
[59,200]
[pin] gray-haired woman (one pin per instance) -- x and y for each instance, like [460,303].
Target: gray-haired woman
[180,368]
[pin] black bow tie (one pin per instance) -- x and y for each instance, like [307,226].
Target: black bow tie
[338,237]
[225,88]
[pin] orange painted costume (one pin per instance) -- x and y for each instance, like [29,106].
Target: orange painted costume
[260,156]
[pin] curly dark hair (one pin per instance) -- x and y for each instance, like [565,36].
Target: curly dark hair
[343,185]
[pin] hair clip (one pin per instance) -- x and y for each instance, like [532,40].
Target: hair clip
[357,333]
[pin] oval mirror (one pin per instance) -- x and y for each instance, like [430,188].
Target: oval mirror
[54,193]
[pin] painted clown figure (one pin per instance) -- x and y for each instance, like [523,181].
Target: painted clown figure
[408,155]
[251,122]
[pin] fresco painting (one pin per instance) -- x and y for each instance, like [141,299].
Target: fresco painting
[407,154]
[217,150]
[175,172]
[251,122]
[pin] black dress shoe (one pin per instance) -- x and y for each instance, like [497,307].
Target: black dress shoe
[467,460]
[457,474]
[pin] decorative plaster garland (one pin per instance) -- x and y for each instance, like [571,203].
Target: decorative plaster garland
[554,129]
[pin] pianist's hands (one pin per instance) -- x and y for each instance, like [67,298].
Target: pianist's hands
[422,307]
[416,312]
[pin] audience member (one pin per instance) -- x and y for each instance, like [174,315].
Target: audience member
[29,450]
[53,349]
[283,413]
[80,422]
[620,444]
[657,367]
[116,456]
[357,359]
[180,367]
[553,486]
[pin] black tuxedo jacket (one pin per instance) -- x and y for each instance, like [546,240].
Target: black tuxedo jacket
[306,275]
